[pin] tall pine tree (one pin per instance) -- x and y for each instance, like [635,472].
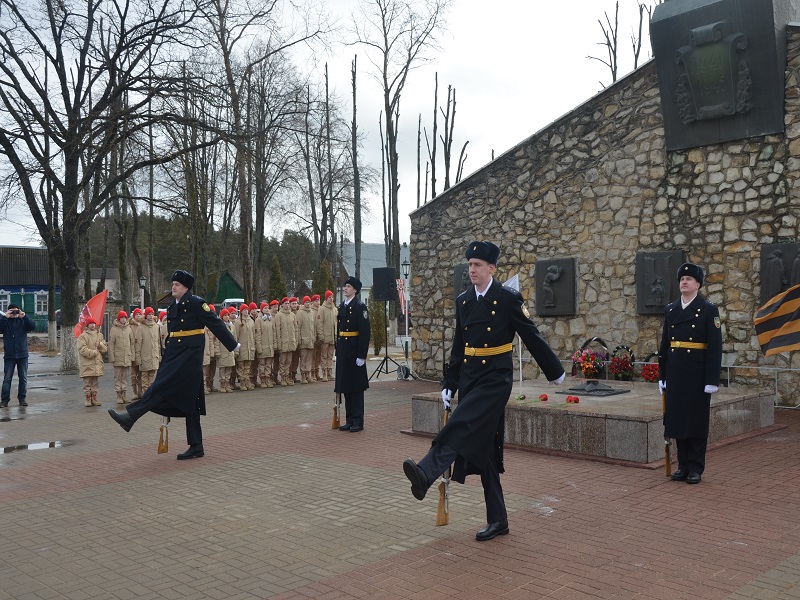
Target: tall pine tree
[277,286]
[323,280]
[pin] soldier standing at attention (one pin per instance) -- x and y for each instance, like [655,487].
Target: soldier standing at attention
[481,369]
[352,344]
[689,366]
[178,389]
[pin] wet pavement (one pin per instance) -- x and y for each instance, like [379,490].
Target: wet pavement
[284,507]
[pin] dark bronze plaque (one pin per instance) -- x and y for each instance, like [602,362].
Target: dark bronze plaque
[555,287]
[656,280]
[780,268]
[720,68]
[461,279]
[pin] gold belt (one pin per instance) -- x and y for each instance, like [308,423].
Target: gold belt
[186,332]
[348,334]
[470,351]
[689,345]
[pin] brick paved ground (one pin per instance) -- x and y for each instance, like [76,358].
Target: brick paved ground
[284,507]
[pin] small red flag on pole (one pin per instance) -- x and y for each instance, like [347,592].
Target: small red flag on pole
[95,309]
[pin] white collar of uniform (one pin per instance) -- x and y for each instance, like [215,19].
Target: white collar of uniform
[478,293]
[684,305]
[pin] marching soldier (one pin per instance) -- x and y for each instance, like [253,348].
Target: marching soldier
[689,363]
[178,389]
[481,369]
[352,345]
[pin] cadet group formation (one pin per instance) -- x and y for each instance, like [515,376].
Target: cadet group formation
[281,343]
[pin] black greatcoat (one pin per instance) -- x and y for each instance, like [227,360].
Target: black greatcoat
[353,317]
[687,371]
[484,383]
[179,379]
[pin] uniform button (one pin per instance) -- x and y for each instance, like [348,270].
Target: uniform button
[488,329]
[495,302]
[466,343]
[687,350]
[465,360]
[465,328]
[486,345]
[693,326]
[493,313]
[483,362]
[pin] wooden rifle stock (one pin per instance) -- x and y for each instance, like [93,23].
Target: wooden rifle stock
[443,510]
[163,438]
[667,445]
[336,403]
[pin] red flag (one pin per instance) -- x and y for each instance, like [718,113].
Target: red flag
[95,308]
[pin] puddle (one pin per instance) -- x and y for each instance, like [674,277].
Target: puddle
[35,446]
[7,419]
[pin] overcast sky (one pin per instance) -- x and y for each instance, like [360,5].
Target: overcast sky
[516,65]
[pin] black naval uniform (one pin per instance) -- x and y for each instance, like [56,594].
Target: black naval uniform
[690,358]
[352,342]
[481,369]
[178,389]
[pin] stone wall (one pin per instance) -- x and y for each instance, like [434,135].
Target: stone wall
[599,186]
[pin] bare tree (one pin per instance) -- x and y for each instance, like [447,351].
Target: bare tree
[356,175]
[233,23]
[610,42]
[102,47]
[396,34]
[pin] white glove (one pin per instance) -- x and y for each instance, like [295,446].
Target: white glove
[237,347]
[711,389]
[662,386]
[560,380]
[360,362]
[447,395]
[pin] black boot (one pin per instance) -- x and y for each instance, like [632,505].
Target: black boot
[194,451]
[123,418]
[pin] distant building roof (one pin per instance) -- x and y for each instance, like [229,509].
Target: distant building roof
[24,265]
[373,256]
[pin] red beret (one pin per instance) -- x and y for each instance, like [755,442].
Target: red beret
[122,315]
[244,307]
[149,311]
[137,311]
[274,303]
[162,314]
[315,297]
[253,306]
[89,321]
[284,300]
[212,307]
[223,312]
[306,299]
[328,294]
[264,305]
[293,299]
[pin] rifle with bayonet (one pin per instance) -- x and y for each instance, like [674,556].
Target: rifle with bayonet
[337,404]
[443,510]
[667,445]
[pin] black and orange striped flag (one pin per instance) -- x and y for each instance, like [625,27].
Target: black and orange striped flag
[778,323]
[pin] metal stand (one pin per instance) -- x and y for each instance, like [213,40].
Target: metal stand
[383,367]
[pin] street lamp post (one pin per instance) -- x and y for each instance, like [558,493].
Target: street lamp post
[405,266]
[142,285]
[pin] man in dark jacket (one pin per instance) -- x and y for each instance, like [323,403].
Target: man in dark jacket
[15,327]
[178,390]
[481,369]
[690,362]
[352,344]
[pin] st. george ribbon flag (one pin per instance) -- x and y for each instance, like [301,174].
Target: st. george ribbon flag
[778,323]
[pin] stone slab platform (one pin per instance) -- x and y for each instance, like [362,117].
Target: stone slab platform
[624,427]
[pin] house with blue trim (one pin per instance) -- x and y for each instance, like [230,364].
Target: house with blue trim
[24,281]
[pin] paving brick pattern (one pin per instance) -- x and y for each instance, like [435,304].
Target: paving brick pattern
[283,507]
